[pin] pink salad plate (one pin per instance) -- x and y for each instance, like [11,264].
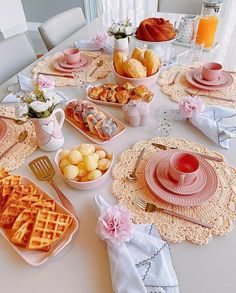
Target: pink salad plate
[3,130]
[58,66]
[191,79]
[219,81]
[187,189]
[190,200]
[82,62]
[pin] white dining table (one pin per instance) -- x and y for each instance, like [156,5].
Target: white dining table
[83,265]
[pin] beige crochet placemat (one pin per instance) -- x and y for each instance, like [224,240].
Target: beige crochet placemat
[173,83]
[220,211]
[46,66]
[16,156]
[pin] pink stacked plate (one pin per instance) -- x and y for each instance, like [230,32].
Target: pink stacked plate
[204,194]
[61,65]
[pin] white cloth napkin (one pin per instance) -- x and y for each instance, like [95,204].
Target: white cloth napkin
[216,123]
[142,265]
[26,85]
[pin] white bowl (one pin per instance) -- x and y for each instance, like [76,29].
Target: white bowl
[88,184]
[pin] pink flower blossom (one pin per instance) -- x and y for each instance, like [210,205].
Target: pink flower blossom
[115,225]
[190,104]
[100,40]
[45,82]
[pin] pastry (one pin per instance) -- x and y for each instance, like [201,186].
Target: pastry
[93,119]
[111,96]
[138,54]
[106,128]
[103,95]
[155,30]
[128,86]
[151,61]
[134,68]
[123,96]
[136,97]
[119,59]
[143,92]
[111,86]
[94,92]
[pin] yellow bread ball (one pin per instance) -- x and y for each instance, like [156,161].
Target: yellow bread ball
[82,172]
[94,156]
[70,171]
[101,154]
[64,155]
[84,179]
[75,157]
[86,149]
[109,156]
[63,164]
[103,164]
[90,163]
[94,174]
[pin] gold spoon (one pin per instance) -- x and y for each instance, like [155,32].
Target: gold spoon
[17,121]
[22,136]
[99,64]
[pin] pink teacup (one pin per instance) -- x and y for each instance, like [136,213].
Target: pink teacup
[211,71]
[183,167]
[72,56]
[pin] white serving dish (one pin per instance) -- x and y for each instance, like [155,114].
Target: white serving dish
[89,184]
[94,138]
[36,258]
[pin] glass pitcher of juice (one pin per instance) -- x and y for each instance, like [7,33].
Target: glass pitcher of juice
[208,22]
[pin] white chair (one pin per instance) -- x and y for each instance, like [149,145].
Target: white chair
[180,6]
[16,53]
[61,26]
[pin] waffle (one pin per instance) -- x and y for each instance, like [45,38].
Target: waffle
[11,180]
[3,173]
[11,212]
[4,194]
[19,191]
[21,236]
[48,228]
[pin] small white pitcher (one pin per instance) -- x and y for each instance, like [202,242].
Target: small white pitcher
[187,28]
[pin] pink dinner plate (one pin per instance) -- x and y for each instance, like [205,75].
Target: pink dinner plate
[82,62]
[3,130]
[197,185]
[190,78]
[194,199]
[58,67]
[198,77]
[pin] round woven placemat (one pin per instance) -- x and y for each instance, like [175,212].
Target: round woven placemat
[16,156]
[220,211]
[173,84]
[46,66]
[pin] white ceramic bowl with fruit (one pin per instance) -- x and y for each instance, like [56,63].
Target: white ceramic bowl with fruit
[85,166]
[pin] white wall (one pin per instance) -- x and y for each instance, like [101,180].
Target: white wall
[180,6]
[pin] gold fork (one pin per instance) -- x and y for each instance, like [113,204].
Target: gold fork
[149,207]
[44,171]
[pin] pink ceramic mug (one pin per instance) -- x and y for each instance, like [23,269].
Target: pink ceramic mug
[211,71]
[183,167]
[72,55]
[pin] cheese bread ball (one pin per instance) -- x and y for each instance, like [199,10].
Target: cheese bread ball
[70,171]
[75,157]
[86,149]
[63,164]
[94,156]
[103,164]
[94,174]
[101,154]
[90,163]
[84,179]
[82,170]
[64,155]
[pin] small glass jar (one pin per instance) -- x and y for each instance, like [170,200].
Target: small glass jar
[208,22]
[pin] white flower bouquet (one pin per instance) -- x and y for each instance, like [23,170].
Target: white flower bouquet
[121,29]
[41,102]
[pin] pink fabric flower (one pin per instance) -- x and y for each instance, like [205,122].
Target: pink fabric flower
[190,104]
[100,39]
[45,82]
[115,225]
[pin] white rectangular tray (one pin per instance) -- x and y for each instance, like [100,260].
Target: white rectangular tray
[36,258]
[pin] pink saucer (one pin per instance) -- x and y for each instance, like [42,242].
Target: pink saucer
[160,191]
[190,78]
[198,77]
[196,186]
[3,130]
[58,67]
[62,62]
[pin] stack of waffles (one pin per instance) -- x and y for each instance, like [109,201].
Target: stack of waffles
[29,215]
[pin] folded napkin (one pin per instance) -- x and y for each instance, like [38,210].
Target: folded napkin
[214,121]
[142,264]
[26,85]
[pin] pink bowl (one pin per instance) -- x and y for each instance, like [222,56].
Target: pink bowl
[72,55]
[147,81]
[84,185]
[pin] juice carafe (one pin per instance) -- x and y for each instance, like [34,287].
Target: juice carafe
[208,23]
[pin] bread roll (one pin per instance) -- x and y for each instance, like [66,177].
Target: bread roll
[134,68]
[151,61]
[138,54]
[119,59]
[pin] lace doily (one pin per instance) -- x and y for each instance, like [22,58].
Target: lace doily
[220,211]
[16,156]
[46,66]
[173,84]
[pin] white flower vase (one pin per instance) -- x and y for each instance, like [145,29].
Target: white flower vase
[121,45]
